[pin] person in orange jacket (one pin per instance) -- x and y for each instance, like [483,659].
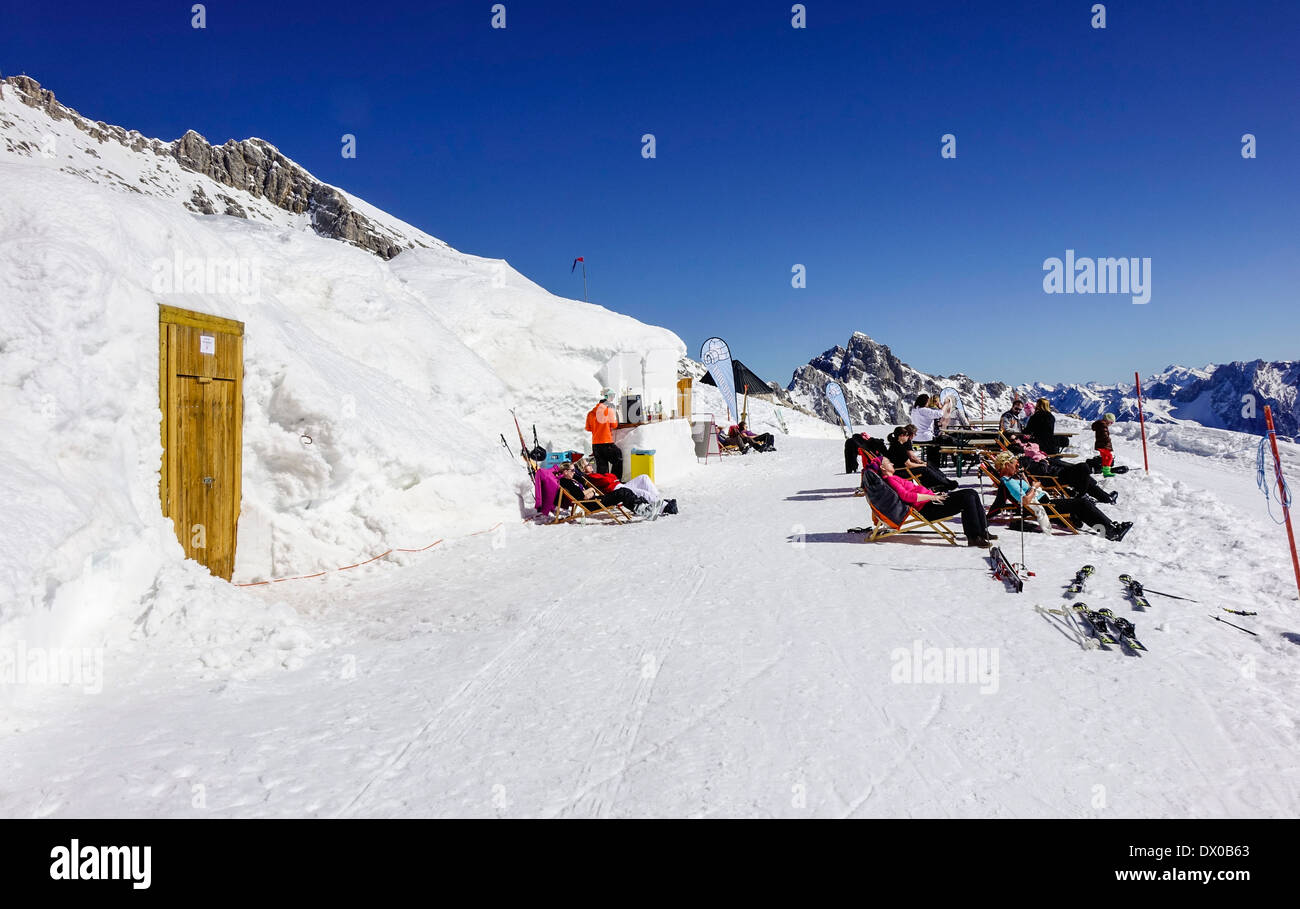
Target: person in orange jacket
[602,420]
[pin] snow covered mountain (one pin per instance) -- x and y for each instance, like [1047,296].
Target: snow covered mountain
[880,388]
[248,179]
[376,385]
[1229,396]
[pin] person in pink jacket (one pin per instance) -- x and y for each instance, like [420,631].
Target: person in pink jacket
[935,505]
[546,490]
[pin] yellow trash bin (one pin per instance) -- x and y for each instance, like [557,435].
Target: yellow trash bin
[643,462]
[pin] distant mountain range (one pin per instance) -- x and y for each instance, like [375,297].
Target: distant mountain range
[880,388]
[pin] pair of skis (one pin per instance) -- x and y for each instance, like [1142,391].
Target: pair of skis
[1135,592]
[1080,579]
[1102,622]
[1138,592]
[529,465]
[1004,570]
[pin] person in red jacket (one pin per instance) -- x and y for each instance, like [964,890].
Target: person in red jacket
[606,488]
[602,420]
[1102,443]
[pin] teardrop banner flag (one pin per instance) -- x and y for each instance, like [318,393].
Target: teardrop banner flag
[957,406]
[716,357]
[835,394]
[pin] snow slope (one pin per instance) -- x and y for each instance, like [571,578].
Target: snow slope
[375,393]
[764,676]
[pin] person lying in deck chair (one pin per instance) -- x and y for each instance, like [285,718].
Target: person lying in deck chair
[935,505]
[725,445]
[1077,476]
[604,488]
[641,484]
[1078,509]
[741,436]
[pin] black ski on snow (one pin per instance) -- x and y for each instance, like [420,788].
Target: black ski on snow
[1128,579]
[1123,629]
[1080,579]
[1094,621]
[1135,591]
[1003,570]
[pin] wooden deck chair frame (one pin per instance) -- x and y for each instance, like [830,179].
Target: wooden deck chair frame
[588,508]
[915,522]
[910,472]
[725,447]
[1052,512]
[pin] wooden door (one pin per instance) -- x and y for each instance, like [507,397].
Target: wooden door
[684,403]
[201,395]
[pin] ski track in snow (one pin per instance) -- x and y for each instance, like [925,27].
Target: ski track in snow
[734,660]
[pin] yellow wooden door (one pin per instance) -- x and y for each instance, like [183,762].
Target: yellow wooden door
[201,370]
[684,403]
[206,409]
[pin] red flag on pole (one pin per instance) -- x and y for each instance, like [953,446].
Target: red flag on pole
[575,264]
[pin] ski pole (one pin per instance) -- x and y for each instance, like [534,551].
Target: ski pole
[1171,596]
[1238,627]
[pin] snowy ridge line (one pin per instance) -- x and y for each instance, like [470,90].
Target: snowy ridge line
[303,577]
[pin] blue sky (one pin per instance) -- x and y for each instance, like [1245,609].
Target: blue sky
[776,146]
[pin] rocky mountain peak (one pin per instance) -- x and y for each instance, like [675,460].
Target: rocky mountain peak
[253,166]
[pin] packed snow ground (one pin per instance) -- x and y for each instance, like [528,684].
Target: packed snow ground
[745,657]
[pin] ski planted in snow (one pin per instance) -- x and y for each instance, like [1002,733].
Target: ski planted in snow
[506,446]
[1135,591]
[523,448]
[1080,579]
[1094,621]
[1003,570]
[1124,630]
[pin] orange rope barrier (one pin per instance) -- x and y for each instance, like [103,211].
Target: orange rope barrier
[303,577]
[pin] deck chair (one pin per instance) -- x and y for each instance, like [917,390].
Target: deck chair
[1002,500]
[907,473]
[587,508]
[1051,485]
[890,515]
[724,446]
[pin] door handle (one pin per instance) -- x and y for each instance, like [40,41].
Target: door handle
[207,481]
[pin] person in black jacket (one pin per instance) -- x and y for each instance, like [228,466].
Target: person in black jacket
[852,445]
[901,455]
[1042,427]
[1077,476]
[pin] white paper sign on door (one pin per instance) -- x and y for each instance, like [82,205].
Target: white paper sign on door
[207,344]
